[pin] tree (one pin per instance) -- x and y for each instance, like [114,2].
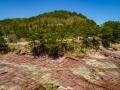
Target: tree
[111,31]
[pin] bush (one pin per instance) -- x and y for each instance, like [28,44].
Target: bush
[51,86]
[91,42]
[56,52]
[3,46]
[39,49]
[106,43]
[59,50]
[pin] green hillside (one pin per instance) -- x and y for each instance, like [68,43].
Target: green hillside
[61,31]
[51,21]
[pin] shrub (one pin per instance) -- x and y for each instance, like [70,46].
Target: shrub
[3,46]
[39,49]
[59,50]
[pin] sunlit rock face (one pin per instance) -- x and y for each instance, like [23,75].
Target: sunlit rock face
[99,72]
[100,64]
[87,73]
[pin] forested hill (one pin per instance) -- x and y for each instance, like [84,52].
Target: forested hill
[50,21]
[57,24]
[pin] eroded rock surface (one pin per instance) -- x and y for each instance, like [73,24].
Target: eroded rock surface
[68,73]
[13,78]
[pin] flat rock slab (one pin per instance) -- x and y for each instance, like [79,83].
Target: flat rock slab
[12,78]
[68,73]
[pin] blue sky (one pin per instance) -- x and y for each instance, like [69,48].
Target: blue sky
[98,10]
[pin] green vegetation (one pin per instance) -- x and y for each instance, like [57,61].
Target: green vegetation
[3,46]
[51,86]
[61,32]
[110,32]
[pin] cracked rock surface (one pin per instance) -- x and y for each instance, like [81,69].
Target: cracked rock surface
[67,73]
